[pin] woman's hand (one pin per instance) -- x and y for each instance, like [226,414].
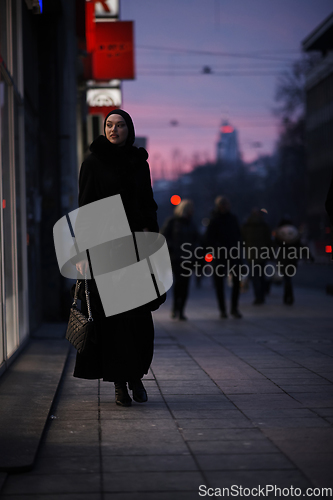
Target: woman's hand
[83,267]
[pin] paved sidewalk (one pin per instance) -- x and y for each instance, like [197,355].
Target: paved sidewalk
[231,402]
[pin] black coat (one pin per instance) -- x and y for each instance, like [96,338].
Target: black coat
[223,231]
[123,345]
[329,209]
[257,238]
[177,231]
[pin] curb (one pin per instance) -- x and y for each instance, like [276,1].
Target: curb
[27,392]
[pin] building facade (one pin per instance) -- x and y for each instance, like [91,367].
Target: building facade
[227,146]
[14,321]
[38,162]
[319,130]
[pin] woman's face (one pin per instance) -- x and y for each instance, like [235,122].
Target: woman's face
[116,130]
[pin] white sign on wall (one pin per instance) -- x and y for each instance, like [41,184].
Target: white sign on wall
[107,8]
[104,97]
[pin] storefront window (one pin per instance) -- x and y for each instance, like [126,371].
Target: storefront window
[2,338]
[21,236]
[3,31]
[13,324]
[9,239]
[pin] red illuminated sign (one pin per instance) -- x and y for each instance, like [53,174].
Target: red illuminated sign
[227,129]
[113,56]
[328,249]
[101,110]
[90,26]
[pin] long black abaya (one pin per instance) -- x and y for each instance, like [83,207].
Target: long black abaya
[122,348]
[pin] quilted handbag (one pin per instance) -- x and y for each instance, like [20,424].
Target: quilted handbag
[79,327]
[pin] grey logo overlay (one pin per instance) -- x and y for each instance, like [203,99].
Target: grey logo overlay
[95,241]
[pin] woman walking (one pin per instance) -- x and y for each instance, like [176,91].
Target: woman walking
[122,349]
[177,230]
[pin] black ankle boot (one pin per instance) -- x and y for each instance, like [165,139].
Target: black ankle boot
[122,396]
[139,392]
[182,317]
[235,313]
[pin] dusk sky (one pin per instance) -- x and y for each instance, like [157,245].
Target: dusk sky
[246,43]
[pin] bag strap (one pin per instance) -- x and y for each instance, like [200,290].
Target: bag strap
[77,286]
[149,265]
[74,305]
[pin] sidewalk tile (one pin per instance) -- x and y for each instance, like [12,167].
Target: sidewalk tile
[290,423]
[293,388]
[324,412]
[135,412]
[265,402]
[153,495]
[232,447]
[34,484]
[187,391]
[64,496]
[238,422]
[222,434]
[313,399]
[80,431]
[65,415]
[67,465]
[261,461]
[152,481]
[279,413]
[149,463]
[291,441]
[77,449]
[252,479]
[317,466]
[206,413]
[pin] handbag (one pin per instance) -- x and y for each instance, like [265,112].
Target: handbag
[79,327]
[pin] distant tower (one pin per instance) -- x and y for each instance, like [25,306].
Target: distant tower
[227,146]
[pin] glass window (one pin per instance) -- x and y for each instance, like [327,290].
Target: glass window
[2,339]
[13,314]
[8,221]
[3,31]
[21,236]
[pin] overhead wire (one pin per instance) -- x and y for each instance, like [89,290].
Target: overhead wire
[213,73]
[266,65]
[244,55]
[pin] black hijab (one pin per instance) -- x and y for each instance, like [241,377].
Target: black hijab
[128,120]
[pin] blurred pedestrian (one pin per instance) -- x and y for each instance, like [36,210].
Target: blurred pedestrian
[258,243]
[200,254]
[329,203]
[178,230]
[329,210]
[287,243]
[122,349]
[223,234]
